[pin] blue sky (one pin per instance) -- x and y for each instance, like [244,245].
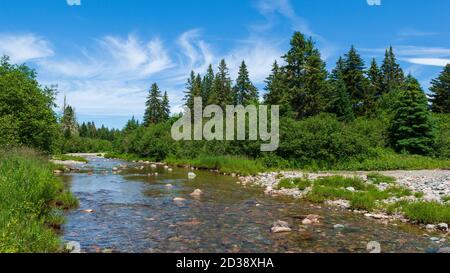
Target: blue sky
[104,54]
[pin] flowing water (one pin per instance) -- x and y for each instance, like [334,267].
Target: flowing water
[135,212]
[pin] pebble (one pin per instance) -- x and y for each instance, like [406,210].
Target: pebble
[178,199]
[307,221]
[280,227]
[338,226]
[442,227]
[435,239]
[192,175]
[430,227]
[197,193]
[445,250]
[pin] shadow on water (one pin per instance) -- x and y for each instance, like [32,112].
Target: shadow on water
[135,212]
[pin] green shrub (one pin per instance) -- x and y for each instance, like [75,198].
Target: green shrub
[322,141]
[378,178]
[70,158]
[385,159]
[29,193]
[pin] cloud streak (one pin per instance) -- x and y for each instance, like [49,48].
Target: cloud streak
[24,47]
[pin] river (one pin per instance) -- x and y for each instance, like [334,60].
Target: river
[135,212]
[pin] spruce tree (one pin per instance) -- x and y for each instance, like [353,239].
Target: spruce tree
[440,87]
[339,100]
[222,93]
[411,129]
[69,123]
[207,85]
[355,80]
[153,104]
[131,125]
[245,92]
[392,73]
[305,77]
[193,90]
[374,89]
[165,107]
[276,92]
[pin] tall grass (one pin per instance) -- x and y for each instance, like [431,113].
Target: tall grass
[29,195]
[384,160]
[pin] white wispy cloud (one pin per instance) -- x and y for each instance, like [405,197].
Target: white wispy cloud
[429,61]
[24,47]
[419,55]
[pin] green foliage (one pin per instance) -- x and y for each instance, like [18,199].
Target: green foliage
[320,140]
[341,182]
[320,194]
[411,129]
[291,183]
[153,142]
[427,212]
[222,93]
[355,81]
[156,107]
[363,201]
[392,74]
[69,125]
[378,178]
[441,92]
[26,109]
[77,144]
[304,76]
[246,93]
[442,136]
[29,193]
[63,157]
[384,160]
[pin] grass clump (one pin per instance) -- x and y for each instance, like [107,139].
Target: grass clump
[30,193]
[366,197]
[446,198]
[385,160]
[320,194]
[292,183]
[341,182]
[363,201]
[70,158]
[378,178]
[427,212]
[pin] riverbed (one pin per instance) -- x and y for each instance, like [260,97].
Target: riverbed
[133,210]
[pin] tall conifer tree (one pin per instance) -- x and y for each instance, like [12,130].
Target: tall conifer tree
[305,77]
[153,104]
[392,73]
[440,87]
[411,129]
[246,93]
[355,80]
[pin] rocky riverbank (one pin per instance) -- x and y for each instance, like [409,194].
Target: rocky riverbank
[425,186]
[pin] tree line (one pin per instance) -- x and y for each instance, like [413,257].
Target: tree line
[350,109]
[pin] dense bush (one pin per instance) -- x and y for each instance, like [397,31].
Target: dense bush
[26,109]
[442,133]
[321,140]
[77,144]
[29,193]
